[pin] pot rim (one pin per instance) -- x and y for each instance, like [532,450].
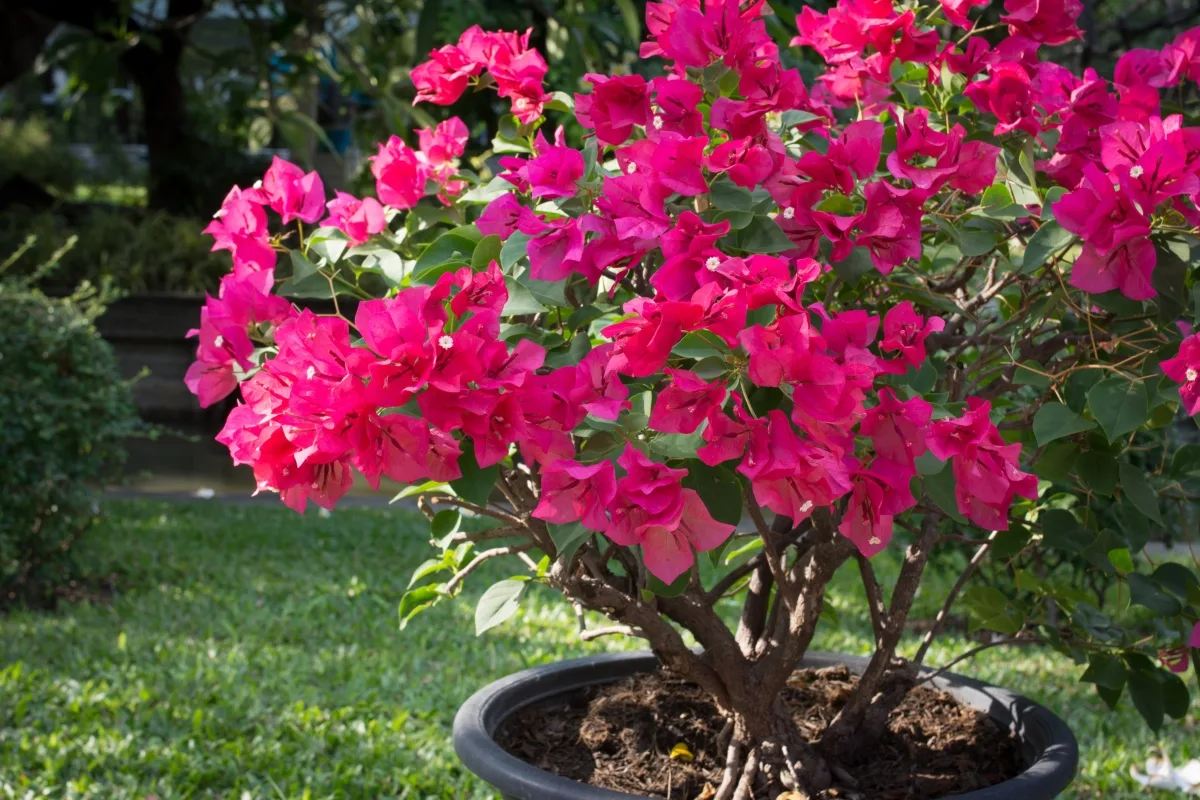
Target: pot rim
[1048,746]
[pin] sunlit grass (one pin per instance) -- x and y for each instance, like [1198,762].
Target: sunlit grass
[113,193]
[252,650]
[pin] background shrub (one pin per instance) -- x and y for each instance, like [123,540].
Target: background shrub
[65,412]
[29,150]
[137,251]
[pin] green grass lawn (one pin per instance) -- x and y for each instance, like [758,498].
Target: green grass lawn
[254,653]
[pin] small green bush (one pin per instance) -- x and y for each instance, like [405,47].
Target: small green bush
[64,412]
[136,251]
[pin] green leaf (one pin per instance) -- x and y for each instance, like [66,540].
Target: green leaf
[496,187]
[520,300]
[328,243]
[929,464]
[561,101]
[1175,694]
[428,487]
[1147,695]
[1110,696]
[498,604]
[1053,195]
[427,568]
[678,445]
[1119,405]
[941,488]
[453,247]
[720,490]
[975,242]
[444,523]
[726,195]
[1105,670]
[1170,278]
[1057,461]
[762,235]
[1046,242]
[998,203]
[568,539]
[1186,460]
[1137,489]
[487,251]
[1121,559]
[673,589]
[1146,593]
[417,600]
[1098,471]
[1031,373]
[476,483]
[1178,580]
[1007,544]
[1054,421]
[514,250]
[989,608]
[384,261]
[700,344]
[306,281]
[581,317]
[1062,531]
[854,266]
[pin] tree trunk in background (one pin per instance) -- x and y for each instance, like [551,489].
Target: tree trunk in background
[175,155]
[23,33]
[173,150]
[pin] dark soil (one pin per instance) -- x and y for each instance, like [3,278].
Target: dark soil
[620,736]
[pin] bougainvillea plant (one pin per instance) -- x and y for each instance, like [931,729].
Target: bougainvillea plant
[753,329]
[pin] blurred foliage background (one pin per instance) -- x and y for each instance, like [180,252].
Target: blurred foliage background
[118,117]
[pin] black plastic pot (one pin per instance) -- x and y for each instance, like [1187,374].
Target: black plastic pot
[1049,748]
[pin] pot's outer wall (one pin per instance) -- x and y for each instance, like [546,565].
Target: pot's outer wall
[1047,744]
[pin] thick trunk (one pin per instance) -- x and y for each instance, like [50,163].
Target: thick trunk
[767,756]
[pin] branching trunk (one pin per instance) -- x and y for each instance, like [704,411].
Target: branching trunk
[885,681]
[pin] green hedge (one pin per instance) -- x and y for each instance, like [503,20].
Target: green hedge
[65,412]
[137,251]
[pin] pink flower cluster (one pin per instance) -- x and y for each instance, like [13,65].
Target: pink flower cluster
[401,172]
[323,407]
[1122,161]
[516,70]
[427,373]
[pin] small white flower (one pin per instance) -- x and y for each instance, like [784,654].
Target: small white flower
[789,213]
[445,342]
[311,371]
[258,184]
[316,485]
[220,213]
[712,264]
[1136,171]
[874,540]
[1191,374]
[658,122]
[219,341]
[632,168]
[804,509]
